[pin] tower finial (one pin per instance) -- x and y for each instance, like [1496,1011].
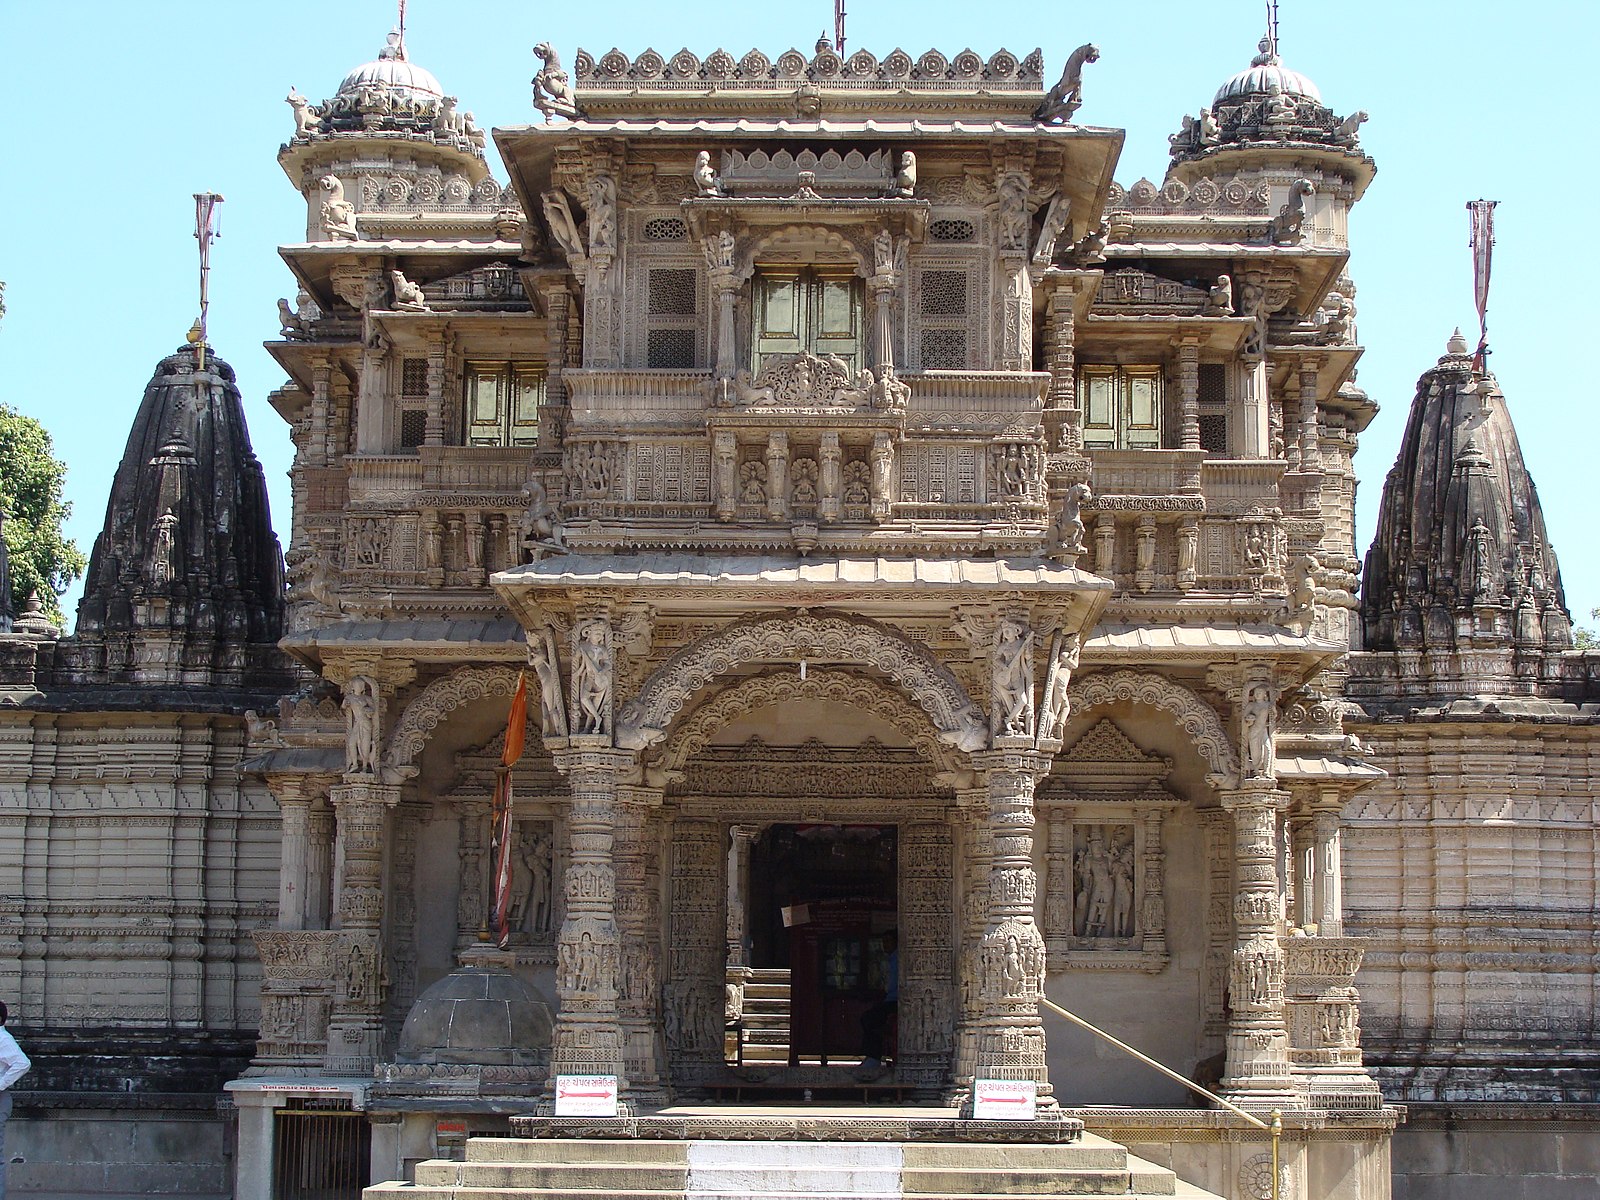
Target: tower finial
[838,27]
[1272,29]
[205,204]
[400,45]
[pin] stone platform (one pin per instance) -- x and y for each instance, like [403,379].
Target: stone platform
[805,1123]
[776,1154]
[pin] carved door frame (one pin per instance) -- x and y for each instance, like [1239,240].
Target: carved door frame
[695,933]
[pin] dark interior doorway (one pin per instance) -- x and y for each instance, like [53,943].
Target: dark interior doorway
[822,899]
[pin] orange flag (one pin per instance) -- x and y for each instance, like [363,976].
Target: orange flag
[502,838]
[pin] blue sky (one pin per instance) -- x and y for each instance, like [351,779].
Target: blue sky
[121,112]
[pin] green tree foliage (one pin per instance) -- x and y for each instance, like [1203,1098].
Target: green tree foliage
[32,480]
[1587,639]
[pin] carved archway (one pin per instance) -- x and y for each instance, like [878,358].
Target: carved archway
[837,687]
[644,720]
[1193,715]
[437,701]
[789,236]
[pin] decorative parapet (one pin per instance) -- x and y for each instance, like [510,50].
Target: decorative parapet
[824,69]
[1231,197]
[1323,1013]
[298,969]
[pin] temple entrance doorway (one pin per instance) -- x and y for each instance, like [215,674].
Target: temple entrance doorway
[823,915]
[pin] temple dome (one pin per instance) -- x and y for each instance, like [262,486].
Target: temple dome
[1265,75]
[477,1015]
[391,70]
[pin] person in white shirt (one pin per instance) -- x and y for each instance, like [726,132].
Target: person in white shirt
[14,1065]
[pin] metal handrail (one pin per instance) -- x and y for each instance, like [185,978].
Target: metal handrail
[1273,1125]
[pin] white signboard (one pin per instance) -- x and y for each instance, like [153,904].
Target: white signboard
[1005,1099]
[586,1095]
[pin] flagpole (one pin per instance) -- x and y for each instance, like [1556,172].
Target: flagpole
[1481,216]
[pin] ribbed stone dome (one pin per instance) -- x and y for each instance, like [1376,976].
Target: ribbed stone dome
[391,70]
[479,1016]
[1267,74]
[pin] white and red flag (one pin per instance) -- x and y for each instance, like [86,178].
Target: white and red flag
[1482,218]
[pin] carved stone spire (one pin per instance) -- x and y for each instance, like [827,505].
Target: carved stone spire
[187,565]
[1461,557]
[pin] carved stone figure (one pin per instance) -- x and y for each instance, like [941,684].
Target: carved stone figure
[1257,722]
[1122,890]
[1055,224]
[1070,528]
[306,118]
[1053,711]
[1287,225]
[408,296]
[706,179]
[883,253]
[290,325]
[1303,585]
[162,568]
[535,913]
[1091,248]
[1061,101]
[539,526]
[905,179]
[1096,888]
[563,228]
[338,214]
[1013,189]
[1210,132]
[360,726]
[602,214]
[1346,133]
[591,678]
[1011,679]
[1219,302]
[552,86]
[547,669]
[261,731]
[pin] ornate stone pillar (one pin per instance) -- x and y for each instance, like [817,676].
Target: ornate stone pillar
[693,1003]
[778,475]
[740,839]
[638,919]
[588,1034]
[1058,883]
[433,423]
[1189,392]
[472,914]
[1188,552]
[294,809]
[926,958]
[1251,388]
[321,411]
[319,863]
[1257,1070]
[557,317]
[1216,824]
[1310,449]
[725,450]
[1063,423]
[973,919]
[1009,1032]
[355,1031]
[831,487]
[724,281]
[1326,901]
[1105,545]
[883,480]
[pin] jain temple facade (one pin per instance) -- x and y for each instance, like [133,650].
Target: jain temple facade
[933,568]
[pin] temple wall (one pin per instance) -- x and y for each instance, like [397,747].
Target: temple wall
[1472,872]
[134,864]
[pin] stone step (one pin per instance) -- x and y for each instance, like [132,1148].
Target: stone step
[656,1169]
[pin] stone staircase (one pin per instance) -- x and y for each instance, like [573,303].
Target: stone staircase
[766,1017]
[707,1169]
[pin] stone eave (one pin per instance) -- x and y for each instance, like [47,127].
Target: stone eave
[1113,643]
[298,359]
[348,148]
[1335,365]
[1219,335]
[1315,267]
[1090,157]
[429,639]
[1227,159]
[732,585]
[313,263]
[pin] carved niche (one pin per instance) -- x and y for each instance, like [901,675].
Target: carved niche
[1104,895]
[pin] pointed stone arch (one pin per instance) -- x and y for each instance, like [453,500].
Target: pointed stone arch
[1192,714]
[695,732]
[957,721]
[437,701]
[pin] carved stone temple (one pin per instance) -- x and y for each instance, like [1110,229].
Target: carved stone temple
[933,568]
